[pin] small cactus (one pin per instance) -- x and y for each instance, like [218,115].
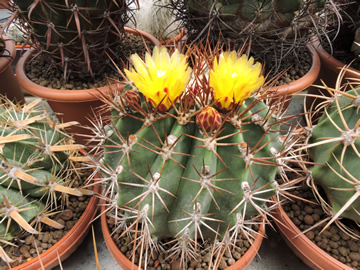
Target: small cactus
[37,167]
[334,147]
[191,170]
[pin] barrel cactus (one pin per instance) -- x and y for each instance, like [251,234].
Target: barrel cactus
[37,170]
[191,153]
[274,28]
[77,37]
[334,146]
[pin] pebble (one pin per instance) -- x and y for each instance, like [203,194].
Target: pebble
[343,251]
[45,237]
[308,220]
[29,240]
[354,256]
[60,221]
[176,265]
[24,248]
[66,214]
[326,234]
[310,235]
[308,210]
[69,224]
[236,255]
[344,236]
[223,264]
[353,246]
[333,244]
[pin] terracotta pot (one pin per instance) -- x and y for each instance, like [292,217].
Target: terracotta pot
[9,86]
[126,264]
[72,105]
[173,41]
[4,4]
[68,244]
[303,247]
[329,71]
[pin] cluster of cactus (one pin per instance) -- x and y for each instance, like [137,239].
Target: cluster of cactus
[191,159]
[274,28]
[334,147]
[77,37]
[37,170]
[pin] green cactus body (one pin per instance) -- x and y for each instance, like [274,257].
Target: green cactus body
[76,36]
[199,173]
[265,17]
[339,159]
[139,157]
[35,161]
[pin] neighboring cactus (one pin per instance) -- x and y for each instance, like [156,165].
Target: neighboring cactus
[37,169]
[274,28]
[177,167]
[334,146]
[77,37]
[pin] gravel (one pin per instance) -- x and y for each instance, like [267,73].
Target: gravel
[333,240]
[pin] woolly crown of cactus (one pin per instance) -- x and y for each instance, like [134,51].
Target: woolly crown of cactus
[190,172]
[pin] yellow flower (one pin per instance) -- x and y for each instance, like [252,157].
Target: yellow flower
[161,78]
[233,79]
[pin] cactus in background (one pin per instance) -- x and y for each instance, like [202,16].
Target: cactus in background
[77,37]
[274,28]
[194,154]
[37,169]
[334,146]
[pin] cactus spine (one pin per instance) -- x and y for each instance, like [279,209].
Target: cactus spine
[180,168]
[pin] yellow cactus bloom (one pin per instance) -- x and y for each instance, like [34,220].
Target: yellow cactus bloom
[161,78]
[233,79]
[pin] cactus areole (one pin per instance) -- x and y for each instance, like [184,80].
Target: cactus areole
[190,170]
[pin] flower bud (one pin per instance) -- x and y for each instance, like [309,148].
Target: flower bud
[208,119]
[132,99]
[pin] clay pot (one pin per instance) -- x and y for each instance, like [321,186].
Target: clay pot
[329,71]
[175,40]
[72,105]
[303,247]
[126,264]
[9,86]
[68,244]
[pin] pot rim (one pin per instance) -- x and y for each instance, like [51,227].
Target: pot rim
[325,57]
[83,95]
[69,242]
[126,264]
[303,247]
[5,62]
[304,82]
